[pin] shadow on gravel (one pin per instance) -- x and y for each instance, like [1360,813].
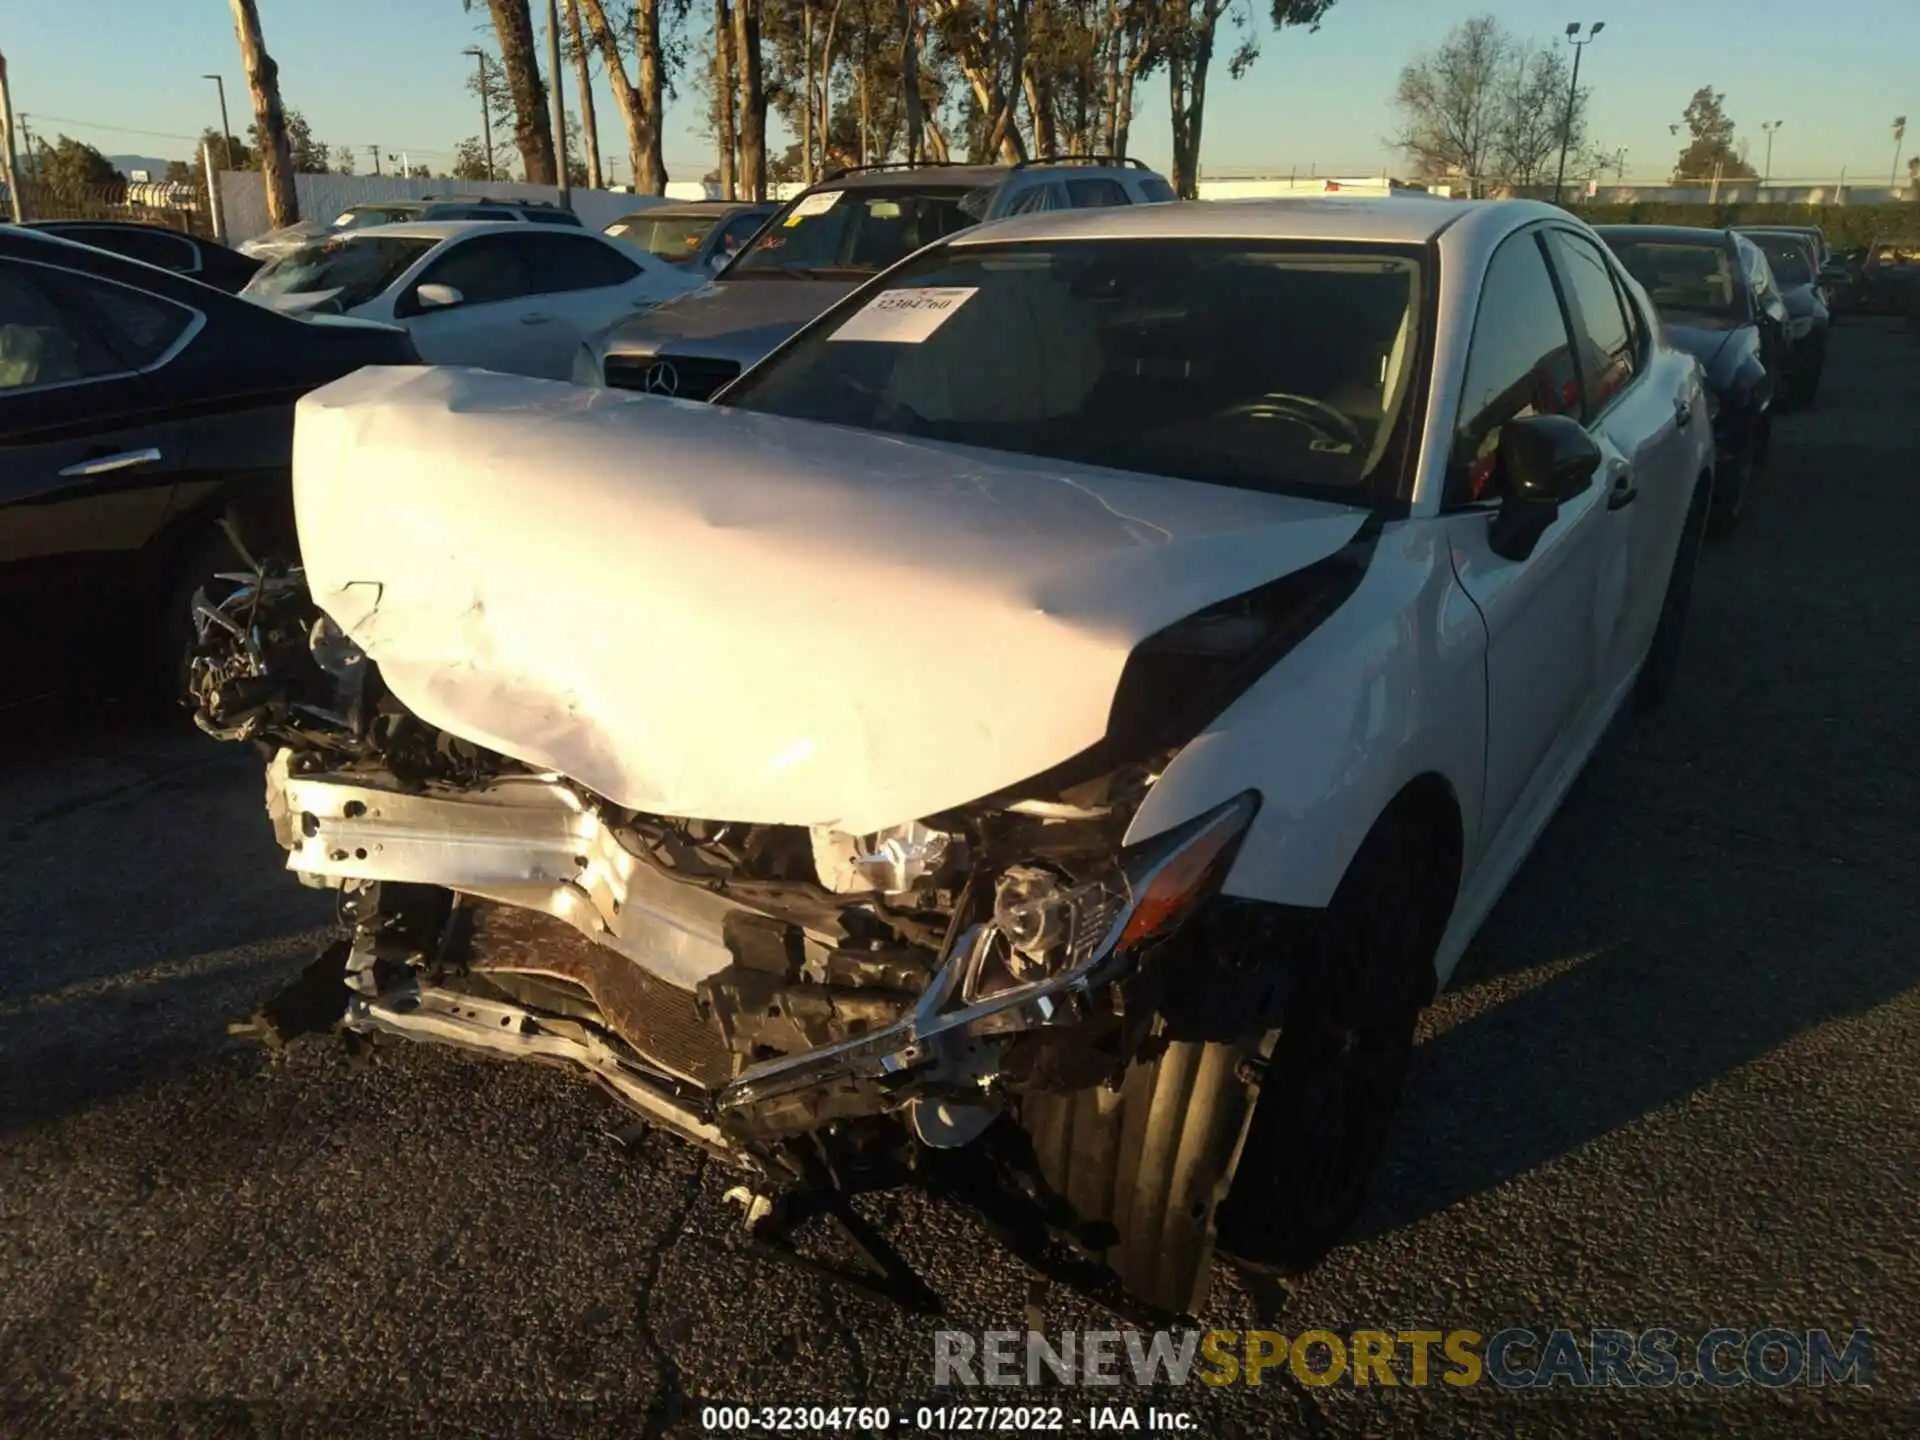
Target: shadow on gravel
[64,1050]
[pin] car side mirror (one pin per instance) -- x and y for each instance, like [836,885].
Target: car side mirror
[437,297]
[1542,462]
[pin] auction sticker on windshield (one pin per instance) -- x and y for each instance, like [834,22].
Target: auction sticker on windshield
[817,203]
[905,317]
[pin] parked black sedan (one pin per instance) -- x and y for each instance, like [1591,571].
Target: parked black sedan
[1797,273]
[1716,295]
[205,260]
[138,409]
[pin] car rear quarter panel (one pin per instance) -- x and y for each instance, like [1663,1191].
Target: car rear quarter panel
[1390,688]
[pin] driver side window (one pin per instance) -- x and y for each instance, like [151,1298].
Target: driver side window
[1519,362]
[486,269]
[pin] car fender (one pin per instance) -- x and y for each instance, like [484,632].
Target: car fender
[1391,687]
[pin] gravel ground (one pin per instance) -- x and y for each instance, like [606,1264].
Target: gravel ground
[1677,1083]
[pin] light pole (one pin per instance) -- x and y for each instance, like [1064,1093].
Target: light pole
[1573,90]
[226,130]
[1769,126]
[486,110]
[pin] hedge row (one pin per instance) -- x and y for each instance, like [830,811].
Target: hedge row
[1846,226]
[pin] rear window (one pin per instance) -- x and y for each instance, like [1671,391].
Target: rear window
[1791,261]
[1157,190]
[355,270]
[674,238]
[153,247]
[1284,368]
[1682,279]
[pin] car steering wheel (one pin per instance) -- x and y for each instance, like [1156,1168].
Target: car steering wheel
[1301,410]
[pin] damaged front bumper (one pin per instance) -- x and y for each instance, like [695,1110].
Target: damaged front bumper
[941,1059]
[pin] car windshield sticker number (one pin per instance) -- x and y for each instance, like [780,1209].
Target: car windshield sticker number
[816,204]
[905,317]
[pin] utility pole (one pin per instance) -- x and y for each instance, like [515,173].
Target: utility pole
[559,104]
[226,130]
[7,153]
[486,110]
[33,155]
[1769,126]
[1573,91]
[374,151]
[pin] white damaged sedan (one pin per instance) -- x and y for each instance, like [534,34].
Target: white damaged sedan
[1056,721]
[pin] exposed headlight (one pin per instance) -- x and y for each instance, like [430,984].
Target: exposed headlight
[1713,405]
[1046,927]
[1800,326]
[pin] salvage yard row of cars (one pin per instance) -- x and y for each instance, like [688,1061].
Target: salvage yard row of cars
[1044,727]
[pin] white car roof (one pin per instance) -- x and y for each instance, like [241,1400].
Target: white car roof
[1413,220]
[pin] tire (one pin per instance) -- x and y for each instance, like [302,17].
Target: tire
[1149,1164]
[1332,1083]
[1730,494]
[1808,388]
[190,568]
[1662,665]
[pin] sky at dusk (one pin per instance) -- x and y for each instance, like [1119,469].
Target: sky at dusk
[391,72]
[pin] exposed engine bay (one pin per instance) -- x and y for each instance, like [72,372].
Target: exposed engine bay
[901,955]
[795,1000]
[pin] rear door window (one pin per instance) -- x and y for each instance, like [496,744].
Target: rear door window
[1095,193]
[153,247]
[58,327]
[560,263]
[1035,200]
[1603,338]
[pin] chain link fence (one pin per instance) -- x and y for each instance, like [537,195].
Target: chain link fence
[178,205]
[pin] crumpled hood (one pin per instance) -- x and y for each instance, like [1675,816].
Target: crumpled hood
[735,320]
[702,612]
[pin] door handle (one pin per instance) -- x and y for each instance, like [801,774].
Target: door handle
[535,319]
[1682,413]
[1624,491]
[105,464]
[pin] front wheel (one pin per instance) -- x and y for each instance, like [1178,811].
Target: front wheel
[1144,1167]
[1730,489]
[1332,1084]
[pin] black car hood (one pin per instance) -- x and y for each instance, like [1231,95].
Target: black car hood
[1798,299]
[1702,337]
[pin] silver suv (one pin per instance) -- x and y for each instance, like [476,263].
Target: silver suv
[824,244]
[482,207]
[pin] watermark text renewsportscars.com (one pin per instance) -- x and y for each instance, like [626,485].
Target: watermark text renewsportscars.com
[1518,1358]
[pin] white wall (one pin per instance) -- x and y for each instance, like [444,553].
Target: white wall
[243,202]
